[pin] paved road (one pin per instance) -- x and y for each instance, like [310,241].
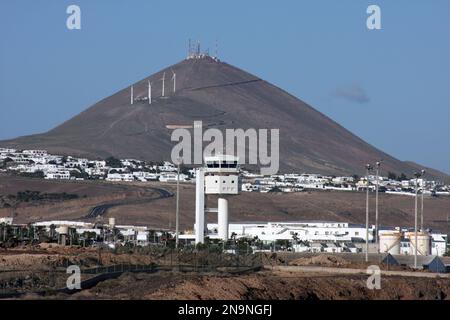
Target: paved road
[102,209]
[332,270]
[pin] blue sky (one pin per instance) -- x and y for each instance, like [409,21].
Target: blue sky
[391,87]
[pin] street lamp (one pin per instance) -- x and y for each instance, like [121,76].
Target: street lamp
[417,175]
[368,168]
[377,165]
[177,232]
[421,209]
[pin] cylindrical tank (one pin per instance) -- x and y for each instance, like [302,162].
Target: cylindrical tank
[63,230]
[223,218]
[112,222]
[390,242]
[63,233]
[423,243]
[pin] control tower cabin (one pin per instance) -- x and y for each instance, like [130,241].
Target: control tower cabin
[220,176]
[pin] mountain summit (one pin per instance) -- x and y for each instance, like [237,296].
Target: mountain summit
[222,96]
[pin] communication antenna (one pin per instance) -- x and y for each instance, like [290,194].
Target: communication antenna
[189,47]
[163,83]
[217,49]
[174,78]
[131,95]
[149,92]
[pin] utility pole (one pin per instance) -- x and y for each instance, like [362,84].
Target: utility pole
[378,164]
[417,175]
[368,167]
[415,224]
[177,206]
[421,205]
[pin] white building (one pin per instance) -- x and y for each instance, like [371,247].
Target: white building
[172,177]
[438,244]
[167,167]
[35,153]
[116,177]
[299,231]
[57,174]
[6,151]
[301,247]
[333,248]
[145,176]
[7,221]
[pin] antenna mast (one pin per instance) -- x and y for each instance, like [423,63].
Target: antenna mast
[190,49]
[217,49]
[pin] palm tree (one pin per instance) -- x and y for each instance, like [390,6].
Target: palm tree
[52,232]
[295,237]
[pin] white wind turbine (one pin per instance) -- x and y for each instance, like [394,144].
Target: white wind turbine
[163,83]
[149,92]
[174,78]
[131,95]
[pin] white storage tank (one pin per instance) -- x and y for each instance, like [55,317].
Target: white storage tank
[63,230]
[423,243]
[112,222]
[390,242]
[63,233]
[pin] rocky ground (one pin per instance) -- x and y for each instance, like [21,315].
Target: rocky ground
[268,285]
[36,270]
[262,285]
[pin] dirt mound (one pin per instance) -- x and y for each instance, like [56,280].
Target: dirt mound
[321,260]
[28,261]
[264,286]
[53,256]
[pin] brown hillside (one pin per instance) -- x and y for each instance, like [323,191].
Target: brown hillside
[222,96]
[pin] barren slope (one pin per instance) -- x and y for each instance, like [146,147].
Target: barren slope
[222,96]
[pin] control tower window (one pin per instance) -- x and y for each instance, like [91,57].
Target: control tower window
[229,164]
[214,164]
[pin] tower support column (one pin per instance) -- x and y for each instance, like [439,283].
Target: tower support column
[222,213]
[200,206]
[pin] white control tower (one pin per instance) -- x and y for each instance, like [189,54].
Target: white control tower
[220,176]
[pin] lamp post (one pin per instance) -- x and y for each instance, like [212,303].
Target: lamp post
[421,205]
[378,164]
[177,232]
[368,168]
[417,175]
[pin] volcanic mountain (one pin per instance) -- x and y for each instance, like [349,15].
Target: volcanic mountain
[222,96]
